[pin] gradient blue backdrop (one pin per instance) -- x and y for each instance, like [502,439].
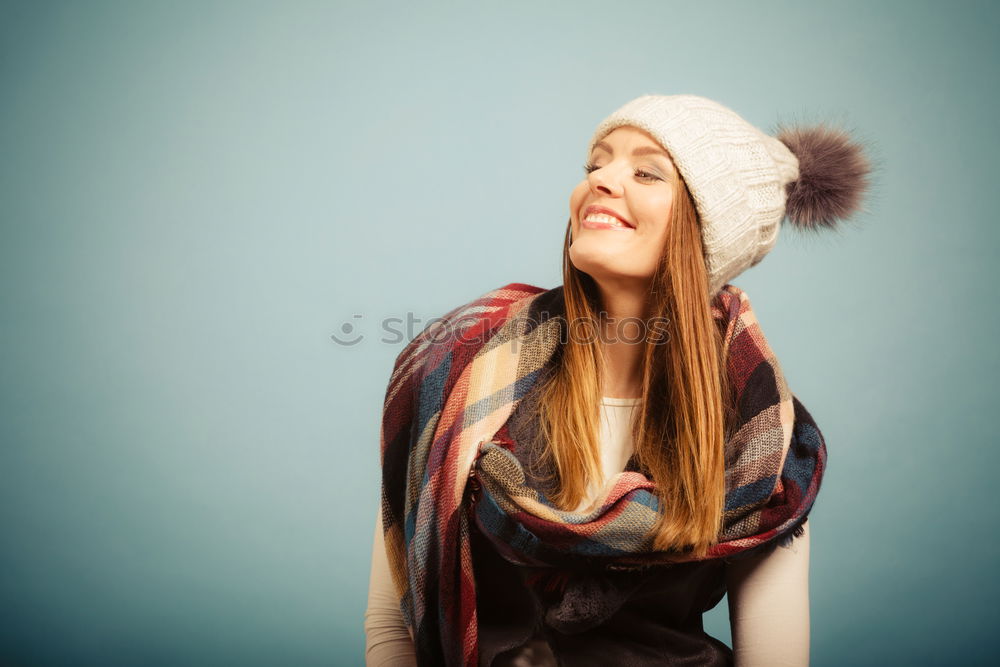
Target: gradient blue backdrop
[195,196]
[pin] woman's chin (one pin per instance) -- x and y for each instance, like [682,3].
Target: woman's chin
[603,271]
[595,259]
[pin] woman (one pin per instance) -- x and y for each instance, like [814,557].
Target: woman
[574,476]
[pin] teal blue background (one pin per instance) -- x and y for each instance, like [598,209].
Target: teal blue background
[195,196]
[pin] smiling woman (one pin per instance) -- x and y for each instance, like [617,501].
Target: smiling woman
[630,187]
[549,498]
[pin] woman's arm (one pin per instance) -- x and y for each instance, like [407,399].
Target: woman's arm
[387,642]
[769,606]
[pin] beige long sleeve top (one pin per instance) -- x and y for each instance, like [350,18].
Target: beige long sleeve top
[768,595]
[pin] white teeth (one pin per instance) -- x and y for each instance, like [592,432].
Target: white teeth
[608,219]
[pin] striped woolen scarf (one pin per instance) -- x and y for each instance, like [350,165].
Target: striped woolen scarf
[452,391]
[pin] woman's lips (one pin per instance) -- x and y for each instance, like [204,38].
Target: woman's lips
[604,225]
[601,217]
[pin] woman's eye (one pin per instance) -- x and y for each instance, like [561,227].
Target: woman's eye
[591,167]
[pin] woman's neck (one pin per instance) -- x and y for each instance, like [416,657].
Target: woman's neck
[622,343]
[622,370]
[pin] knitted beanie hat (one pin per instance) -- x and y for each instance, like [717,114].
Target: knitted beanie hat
[743,181]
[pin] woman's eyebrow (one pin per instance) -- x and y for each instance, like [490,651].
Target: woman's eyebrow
[643,150]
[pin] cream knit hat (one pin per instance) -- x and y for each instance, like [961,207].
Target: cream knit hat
[743,181]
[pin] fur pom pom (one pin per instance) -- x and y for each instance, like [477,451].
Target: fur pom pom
[833,176]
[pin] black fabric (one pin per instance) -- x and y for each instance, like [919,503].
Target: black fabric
[629,618]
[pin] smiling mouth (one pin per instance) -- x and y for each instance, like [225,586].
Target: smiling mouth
[604,221]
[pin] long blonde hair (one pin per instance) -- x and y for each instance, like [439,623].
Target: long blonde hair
[685,412]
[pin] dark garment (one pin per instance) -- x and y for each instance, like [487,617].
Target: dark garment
[628,618]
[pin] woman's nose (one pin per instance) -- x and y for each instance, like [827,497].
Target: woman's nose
[605,181]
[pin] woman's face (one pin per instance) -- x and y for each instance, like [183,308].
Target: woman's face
[631,178]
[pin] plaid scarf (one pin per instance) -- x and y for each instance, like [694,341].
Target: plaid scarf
[444,425]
